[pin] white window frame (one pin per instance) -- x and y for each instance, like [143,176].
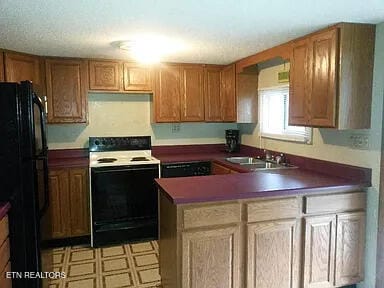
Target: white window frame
[289,133]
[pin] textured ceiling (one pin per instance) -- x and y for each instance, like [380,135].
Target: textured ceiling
[213,31]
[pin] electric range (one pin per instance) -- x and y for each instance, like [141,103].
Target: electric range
[123,194]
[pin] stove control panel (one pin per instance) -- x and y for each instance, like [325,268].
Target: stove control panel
[99,144]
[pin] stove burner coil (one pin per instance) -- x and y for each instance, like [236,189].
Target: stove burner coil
[106,160]
[140,158]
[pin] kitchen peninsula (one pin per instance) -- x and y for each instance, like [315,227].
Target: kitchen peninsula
[282,228]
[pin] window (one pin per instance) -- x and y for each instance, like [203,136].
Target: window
[274,117]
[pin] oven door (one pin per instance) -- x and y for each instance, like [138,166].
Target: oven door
[124,198]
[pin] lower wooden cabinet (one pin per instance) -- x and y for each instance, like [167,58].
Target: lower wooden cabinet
[319,251]
[273,248]
[350,243]
[68,213]
[5,263]
[211,258]
[218,169]
[334,249]
[267,242]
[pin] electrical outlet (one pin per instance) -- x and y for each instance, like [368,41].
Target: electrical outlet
[175,128]
[359,141]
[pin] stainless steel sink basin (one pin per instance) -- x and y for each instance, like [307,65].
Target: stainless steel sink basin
[245,160]
[257,164]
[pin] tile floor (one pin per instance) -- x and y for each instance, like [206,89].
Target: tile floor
[129,265]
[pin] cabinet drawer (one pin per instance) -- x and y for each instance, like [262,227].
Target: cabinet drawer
[5,282]
[3,229]
[4,254]
[273,209]
[334,203]
[211,215]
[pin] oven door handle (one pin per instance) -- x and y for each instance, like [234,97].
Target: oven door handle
[104,170]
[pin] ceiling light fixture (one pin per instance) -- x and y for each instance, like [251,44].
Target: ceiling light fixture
[150,49]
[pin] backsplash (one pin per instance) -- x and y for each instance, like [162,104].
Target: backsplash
[126,115]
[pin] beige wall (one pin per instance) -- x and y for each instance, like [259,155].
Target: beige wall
[127,115]
[334,145]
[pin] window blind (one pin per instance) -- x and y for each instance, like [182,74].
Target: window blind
[274,117]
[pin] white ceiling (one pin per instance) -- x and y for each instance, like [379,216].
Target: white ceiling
[214,31]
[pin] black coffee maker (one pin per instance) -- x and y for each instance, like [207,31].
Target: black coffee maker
[232,140]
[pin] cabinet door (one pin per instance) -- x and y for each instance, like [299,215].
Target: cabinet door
[350,248]
[67,82]
[167,94]
[219,169]
[228,93]
[1,66]
[211,258]
[79,201]
[298,84]
[324,58]
[137,78]
[213,103]
[319,251]
[21,67]
[192,93]
[104,75]
[273,248]
[59,207]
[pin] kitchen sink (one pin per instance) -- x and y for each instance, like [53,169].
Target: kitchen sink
[245,160]
[258,164]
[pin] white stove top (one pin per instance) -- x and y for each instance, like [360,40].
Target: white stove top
[121,158]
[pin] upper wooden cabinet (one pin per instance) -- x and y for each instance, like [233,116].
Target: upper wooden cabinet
[167,93]
[21,67]
[247,97]
[298,107]
[137,78]
[212,99]
[116,76]
[180,93]
[220,94]
[205,93]
[192,93]
[228,93]
[104,75]
[331,78]
[67,83]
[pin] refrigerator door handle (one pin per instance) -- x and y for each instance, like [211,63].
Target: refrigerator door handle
[40,105]
[44,154]
[44,209]
[45,104]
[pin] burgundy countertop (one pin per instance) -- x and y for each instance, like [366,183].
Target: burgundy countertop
[4,208]
[251,185]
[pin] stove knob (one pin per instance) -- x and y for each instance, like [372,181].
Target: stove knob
[103,142]
[97,142]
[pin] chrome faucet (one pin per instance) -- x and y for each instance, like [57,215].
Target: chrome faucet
[280,159]
[267,155]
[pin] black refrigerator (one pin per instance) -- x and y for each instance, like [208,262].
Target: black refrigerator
[24,174]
